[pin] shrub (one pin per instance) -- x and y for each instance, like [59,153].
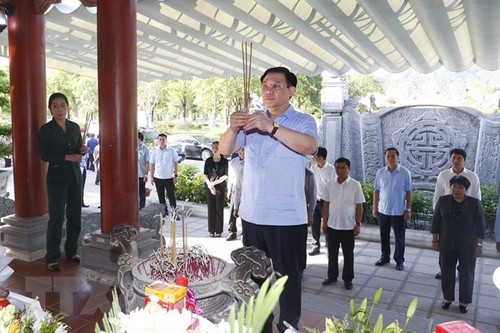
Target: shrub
[5,140]
[421,208]
[190,185]
[489,201]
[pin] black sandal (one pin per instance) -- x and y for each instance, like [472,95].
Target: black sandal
[463,308]
[445,305]
[76,258]
[54,267]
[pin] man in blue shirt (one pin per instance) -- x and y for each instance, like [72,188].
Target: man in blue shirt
[273,208]
[392,206]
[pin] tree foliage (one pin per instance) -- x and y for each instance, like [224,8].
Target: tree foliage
[5,92]
[360,85]
[308,93]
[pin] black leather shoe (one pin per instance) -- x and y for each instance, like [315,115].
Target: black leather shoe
[85,206]
[400,267]
[315,251]
[348,285]
[445,305]
[463,308]
[438,276]
[327,282]
[381,262]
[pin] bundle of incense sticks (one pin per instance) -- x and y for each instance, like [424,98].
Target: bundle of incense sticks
[246,51]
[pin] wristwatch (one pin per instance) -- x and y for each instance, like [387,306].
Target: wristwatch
[275,128]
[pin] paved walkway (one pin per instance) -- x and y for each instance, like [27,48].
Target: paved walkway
[399,287]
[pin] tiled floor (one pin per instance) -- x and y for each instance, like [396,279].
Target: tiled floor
[83,302]
[66,292]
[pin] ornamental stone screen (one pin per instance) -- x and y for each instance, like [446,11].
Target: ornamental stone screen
[424,136]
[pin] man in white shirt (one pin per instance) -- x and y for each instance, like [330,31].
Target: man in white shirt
[323,173]
[235,167]
[457,159]
[342,213]
[163,170]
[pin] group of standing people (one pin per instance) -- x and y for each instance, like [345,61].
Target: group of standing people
[268,193]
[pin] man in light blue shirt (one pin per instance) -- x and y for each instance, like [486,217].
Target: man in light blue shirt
[392,206]
[273,209]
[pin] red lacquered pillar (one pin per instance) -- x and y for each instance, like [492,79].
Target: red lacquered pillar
[26,31]
[117,81]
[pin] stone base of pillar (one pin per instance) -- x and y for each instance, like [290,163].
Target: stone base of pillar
[24,237]
[101,257]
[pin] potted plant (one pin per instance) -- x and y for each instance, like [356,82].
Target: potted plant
[6,144]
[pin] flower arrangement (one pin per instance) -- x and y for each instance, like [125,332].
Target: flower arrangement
[358,319]
[33,319]
[153,318]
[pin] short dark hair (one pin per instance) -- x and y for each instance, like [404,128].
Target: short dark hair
[391,148]
[140,136]
[57,95]
[343,160]
[322,152]
[291,79]
[460,180]
[215,142]
[162,134]
[459,151]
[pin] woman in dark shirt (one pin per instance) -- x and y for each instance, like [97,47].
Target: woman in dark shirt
[215,172]
[60,144]
[458,229]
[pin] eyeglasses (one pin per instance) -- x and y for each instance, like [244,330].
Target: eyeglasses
[273,86]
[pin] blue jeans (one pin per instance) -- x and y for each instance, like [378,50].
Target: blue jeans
[399,226]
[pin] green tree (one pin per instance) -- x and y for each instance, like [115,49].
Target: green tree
[360,85]
[179,96]
[149,95]
[81,93]
[5,94]
[308,94]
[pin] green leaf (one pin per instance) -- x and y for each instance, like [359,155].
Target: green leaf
[241,318]
[379,324]
[412,308]
[231,319]
[362,310]
[377,297]
[266,300]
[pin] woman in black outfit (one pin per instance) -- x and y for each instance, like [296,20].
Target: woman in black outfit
[458,229]
[215,172]
[60,144]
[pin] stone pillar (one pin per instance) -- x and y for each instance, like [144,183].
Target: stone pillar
[333,95]
[487,164]
[117,80]
[24,232]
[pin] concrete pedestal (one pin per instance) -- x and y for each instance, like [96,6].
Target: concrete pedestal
[101,257]
[24,236]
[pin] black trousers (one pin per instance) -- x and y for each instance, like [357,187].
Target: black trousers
[84,179]
[232,221]
[398,224]
[142,193]
[466,258]
[163,185]
[215,207]
[336,239]
[285,246]
[64,200]
[316,225]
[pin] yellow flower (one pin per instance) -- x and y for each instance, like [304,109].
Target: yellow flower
[15,327]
